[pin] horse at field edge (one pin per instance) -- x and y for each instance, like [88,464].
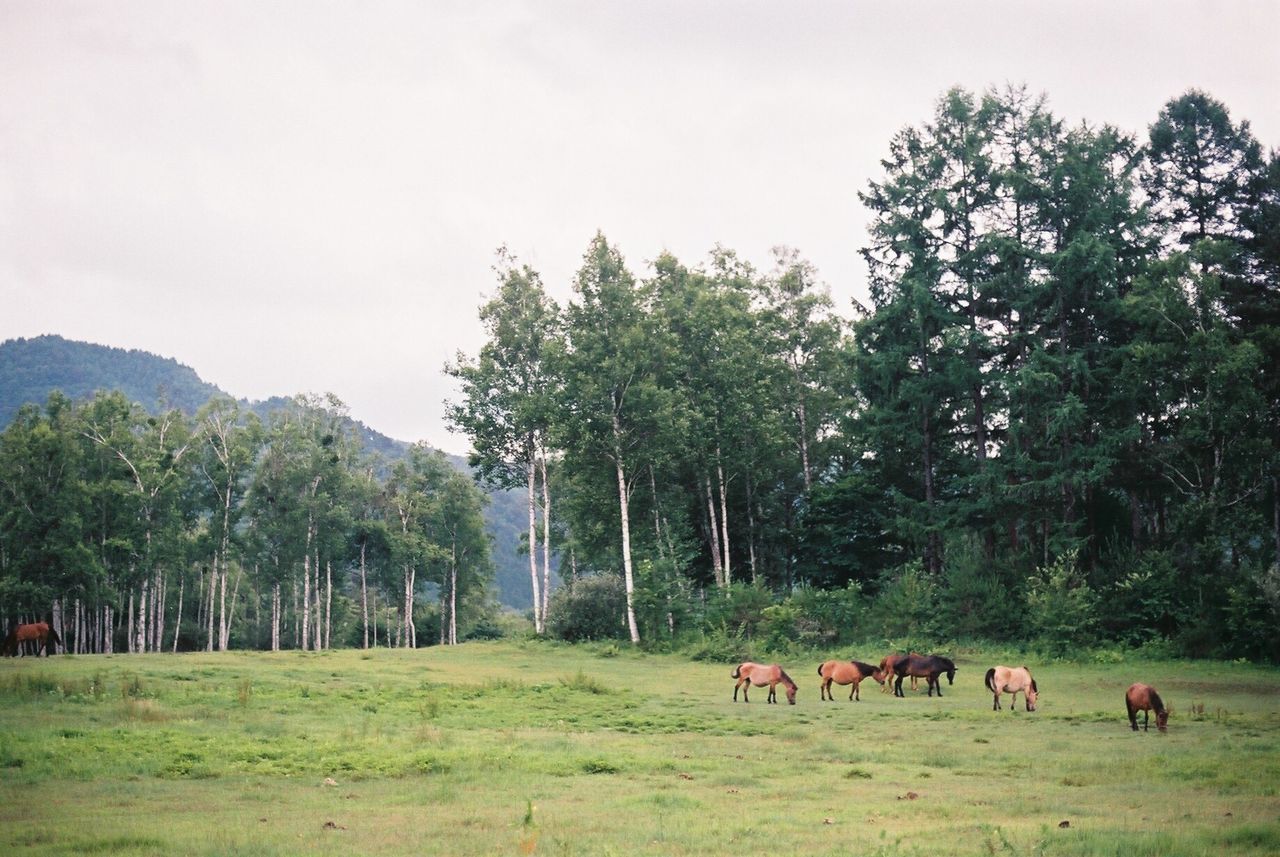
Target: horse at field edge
[1012,680]
[928,667]
[748,673]
[1143,697]
[37,632]
[887,664]
[846,672]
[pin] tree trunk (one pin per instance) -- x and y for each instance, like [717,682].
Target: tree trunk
[713,533]
[724,521]
[177,622]
[546,538]
[364,595]
[533,545]
[627,577]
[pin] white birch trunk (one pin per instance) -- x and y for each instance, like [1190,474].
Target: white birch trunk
[724,522]
[714,536]
[306,597]
[533,546]
[627,577]
[177,625]
[546,539]
[364,596]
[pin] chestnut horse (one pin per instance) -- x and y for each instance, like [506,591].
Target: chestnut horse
[1143,697]
[39,632]
[887,664]
[928,667]
[846,672]
[760,675]
[1011,680]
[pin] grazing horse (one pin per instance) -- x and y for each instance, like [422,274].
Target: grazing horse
[1143,697]
[887,664]
[846,672]
[928,667]
[1011,680]
[39,632]
[761,674]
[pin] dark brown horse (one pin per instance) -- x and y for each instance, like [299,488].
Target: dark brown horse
[927,667]
[38,632]
[1143,697]
[760,675]
[889,662]
[846,672]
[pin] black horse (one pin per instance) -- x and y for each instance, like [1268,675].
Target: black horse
[928,667]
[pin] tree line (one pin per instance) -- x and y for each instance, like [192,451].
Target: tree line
[1062,400]
[143,532]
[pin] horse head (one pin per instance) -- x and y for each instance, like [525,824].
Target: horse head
[879,676]
[1029,695]
[791,693]
[1162,720]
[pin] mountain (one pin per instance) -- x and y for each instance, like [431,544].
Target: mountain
[30,369]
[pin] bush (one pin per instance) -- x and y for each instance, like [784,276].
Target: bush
[591,608]
[907,605]
[1061,608]
[826,617]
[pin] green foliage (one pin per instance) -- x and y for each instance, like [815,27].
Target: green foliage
[1061,609]
[907,606]
[591,608]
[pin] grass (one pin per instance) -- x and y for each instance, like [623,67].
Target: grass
[528,748]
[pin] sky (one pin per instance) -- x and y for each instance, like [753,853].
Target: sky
[307,196]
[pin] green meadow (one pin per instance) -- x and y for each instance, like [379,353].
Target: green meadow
[539,748]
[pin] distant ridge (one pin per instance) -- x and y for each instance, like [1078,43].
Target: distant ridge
[30,369]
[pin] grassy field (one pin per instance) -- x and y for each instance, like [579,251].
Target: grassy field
[528,748]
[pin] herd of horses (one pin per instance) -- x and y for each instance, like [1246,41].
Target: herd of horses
[896,667]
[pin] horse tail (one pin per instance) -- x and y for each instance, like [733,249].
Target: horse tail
[737,671]
[991,679]
[820,666]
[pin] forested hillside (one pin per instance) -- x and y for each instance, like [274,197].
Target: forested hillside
[30,369]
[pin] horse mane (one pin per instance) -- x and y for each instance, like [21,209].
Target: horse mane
[786,677]
[1156,702]
[865,669]
[1033,684]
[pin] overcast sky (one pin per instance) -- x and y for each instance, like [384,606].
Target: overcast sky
[306,197]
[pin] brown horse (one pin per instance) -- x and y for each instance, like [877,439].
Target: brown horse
[846,672]
[38,632]
[887,664]
[1143,697]
[927,667]
[1011,680]
[760,675]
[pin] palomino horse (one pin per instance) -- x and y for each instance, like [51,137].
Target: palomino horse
[887,664]
[1143,697]
[1012,680]
[760,675]
[928,667]
[39,632]
[846,672]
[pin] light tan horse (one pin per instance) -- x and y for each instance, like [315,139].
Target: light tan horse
[1012,680]
[846,672]
[889,662]
[1143,697]
[760,675]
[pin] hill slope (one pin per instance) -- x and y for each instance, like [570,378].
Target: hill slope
[30,369]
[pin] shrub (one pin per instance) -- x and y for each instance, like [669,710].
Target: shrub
[591,608]
[907,605]
[1061,608]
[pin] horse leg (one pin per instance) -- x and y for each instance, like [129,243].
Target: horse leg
[1146,719]
[995,701]
[735,691]
[773,693]
[854,694]
[897,687]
